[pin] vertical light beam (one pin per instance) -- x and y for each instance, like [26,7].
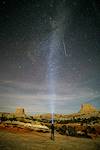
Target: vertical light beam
[56,39]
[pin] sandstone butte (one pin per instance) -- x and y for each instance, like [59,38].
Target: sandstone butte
[20,112]
[87,108]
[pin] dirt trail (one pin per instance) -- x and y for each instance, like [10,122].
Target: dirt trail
[17,140]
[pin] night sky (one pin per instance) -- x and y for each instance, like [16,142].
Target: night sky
[49,55]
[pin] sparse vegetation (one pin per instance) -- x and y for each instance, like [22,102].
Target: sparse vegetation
[78,124]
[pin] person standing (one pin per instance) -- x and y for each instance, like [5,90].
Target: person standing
[52,131]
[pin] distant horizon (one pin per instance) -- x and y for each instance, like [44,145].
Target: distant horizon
[48,112]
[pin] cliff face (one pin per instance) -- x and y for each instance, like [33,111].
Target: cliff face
[20,112]
[87,108]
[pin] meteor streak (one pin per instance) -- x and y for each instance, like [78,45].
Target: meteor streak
[64,48]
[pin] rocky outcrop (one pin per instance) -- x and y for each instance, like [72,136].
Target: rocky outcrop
[87,108]
[20,112]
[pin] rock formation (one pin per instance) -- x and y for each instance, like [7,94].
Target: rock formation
[87,108]
[20,112]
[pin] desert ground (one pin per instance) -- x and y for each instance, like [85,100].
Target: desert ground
[32,140]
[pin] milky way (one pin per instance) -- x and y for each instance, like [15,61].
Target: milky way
[49,55]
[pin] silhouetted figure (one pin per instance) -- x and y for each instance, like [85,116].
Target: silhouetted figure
[52,132]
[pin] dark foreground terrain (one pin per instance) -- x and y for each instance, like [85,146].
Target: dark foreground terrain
[32,140]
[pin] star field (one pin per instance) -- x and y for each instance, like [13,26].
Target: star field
[49,55]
